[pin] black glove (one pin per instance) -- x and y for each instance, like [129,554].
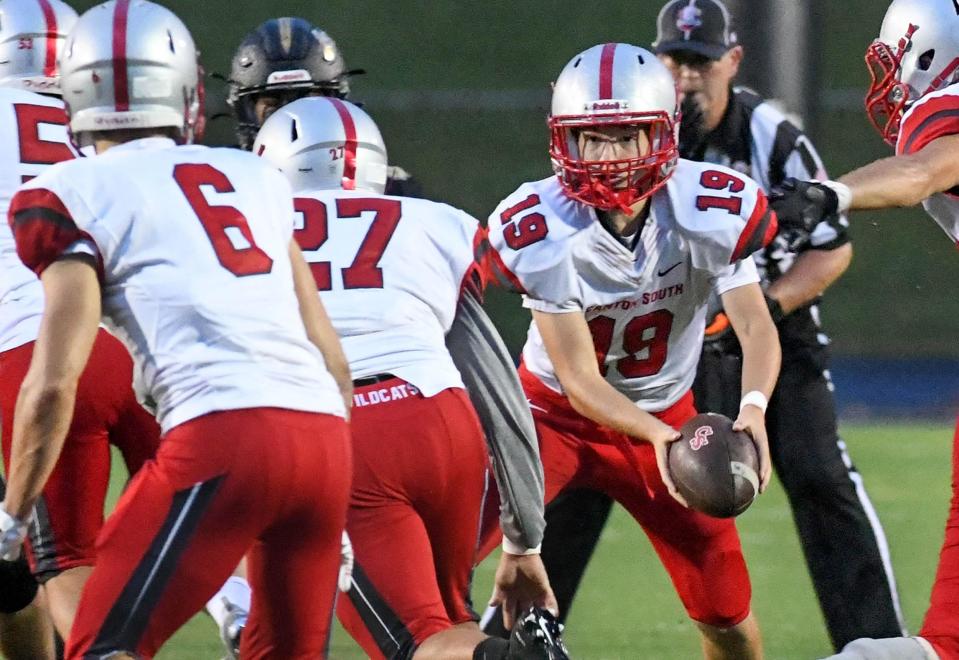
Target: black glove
[800,206]
[692,129]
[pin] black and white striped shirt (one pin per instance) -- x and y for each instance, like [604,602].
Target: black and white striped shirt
[759,140]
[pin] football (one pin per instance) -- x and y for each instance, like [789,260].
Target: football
[715,468]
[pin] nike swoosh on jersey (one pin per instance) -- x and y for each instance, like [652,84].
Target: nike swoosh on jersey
[663,273]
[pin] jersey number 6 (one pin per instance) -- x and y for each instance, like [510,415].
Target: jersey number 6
[226,227]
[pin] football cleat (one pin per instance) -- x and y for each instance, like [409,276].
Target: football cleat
[537,635]
[232,629]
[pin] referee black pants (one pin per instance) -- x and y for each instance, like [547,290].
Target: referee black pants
[842,539]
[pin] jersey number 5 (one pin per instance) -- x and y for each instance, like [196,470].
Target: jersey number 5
[364,272]
[33,149]
[226,227]
[645,341]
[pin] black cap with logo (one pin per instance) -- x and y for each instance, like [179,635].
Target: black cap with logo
[698,26]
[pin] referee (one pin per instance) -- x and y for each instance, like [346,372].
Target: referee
[844,544]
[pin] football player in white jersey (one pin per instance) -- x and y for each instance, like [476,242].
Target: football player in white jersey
[61,548]
[914,103]
[189,255]
[391,272]
[616,257]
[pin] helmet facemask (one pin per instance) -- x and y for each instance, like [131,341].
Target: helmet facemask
[887,97]
[613,184]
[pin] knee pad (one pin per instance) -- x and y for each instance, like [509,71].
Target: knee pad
[17,586]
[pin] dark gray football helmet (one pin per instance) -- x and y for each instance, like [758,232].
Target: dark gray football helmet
[287,57]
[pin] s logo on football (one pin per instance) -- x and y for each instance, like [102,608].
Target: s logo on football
[700,438]
[689,18]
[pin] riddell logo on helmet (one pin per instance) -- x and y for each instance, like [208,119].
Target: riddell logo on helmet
[296,75]
[700,438]
[607,106]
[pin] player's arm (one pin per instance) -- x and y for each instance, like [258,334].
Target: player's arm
[749,316]
[47,396]
[495,391]
[318,326]
[905,180]
[897,181]
[830,253]
[570,348]
[812,272]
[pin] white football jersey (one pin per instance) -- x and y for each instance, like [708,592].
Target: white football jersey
[192,245]
[389,271]
[33,136]
[646,306]
[933,116]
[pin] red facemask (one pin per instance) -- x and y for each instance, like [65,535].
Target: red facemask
[887,97]
[613,184]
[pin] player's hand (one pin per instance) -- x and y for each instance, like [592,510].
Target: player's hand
[12,533]
[345,579]
[752,420]
[521,582]
[800,206]
[661,439]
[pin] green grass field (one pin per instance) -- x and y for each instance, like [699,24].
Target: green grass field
[627,608]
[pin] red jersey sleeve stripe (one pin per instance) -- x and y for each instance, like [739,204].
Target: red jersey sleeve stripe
[492,267]
[43,229]
[944,122]
[759,230]
[920,118]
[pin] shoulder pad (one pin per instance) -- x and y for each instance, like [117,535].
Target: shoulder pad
[724,215]
[933,116]
[529,246]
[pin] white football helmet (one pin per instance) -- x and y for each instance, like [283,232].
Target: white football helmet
[622,85]
[131,64]
[32,34]
[324,143]
[917,52]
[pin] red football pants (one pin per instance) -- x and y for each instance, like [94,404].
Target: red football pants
[70,509]
[418,487]
[941,626]
[274,479]
[702,554]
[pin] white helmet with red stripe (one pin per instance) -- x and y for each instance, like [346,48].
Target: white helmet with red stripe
[917,52]
[32,34]
[324,143]
[131,64]
[613,85]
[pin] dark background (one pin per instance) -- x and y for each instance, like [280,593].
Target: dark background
[460,91]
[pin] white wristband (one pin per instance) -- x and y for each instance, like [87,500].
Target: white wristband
[516,549]
[754,398]
[843,193]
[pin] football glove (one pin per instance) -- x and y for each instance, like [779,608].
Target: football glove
[800,206]
[345,579]
[12,533]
